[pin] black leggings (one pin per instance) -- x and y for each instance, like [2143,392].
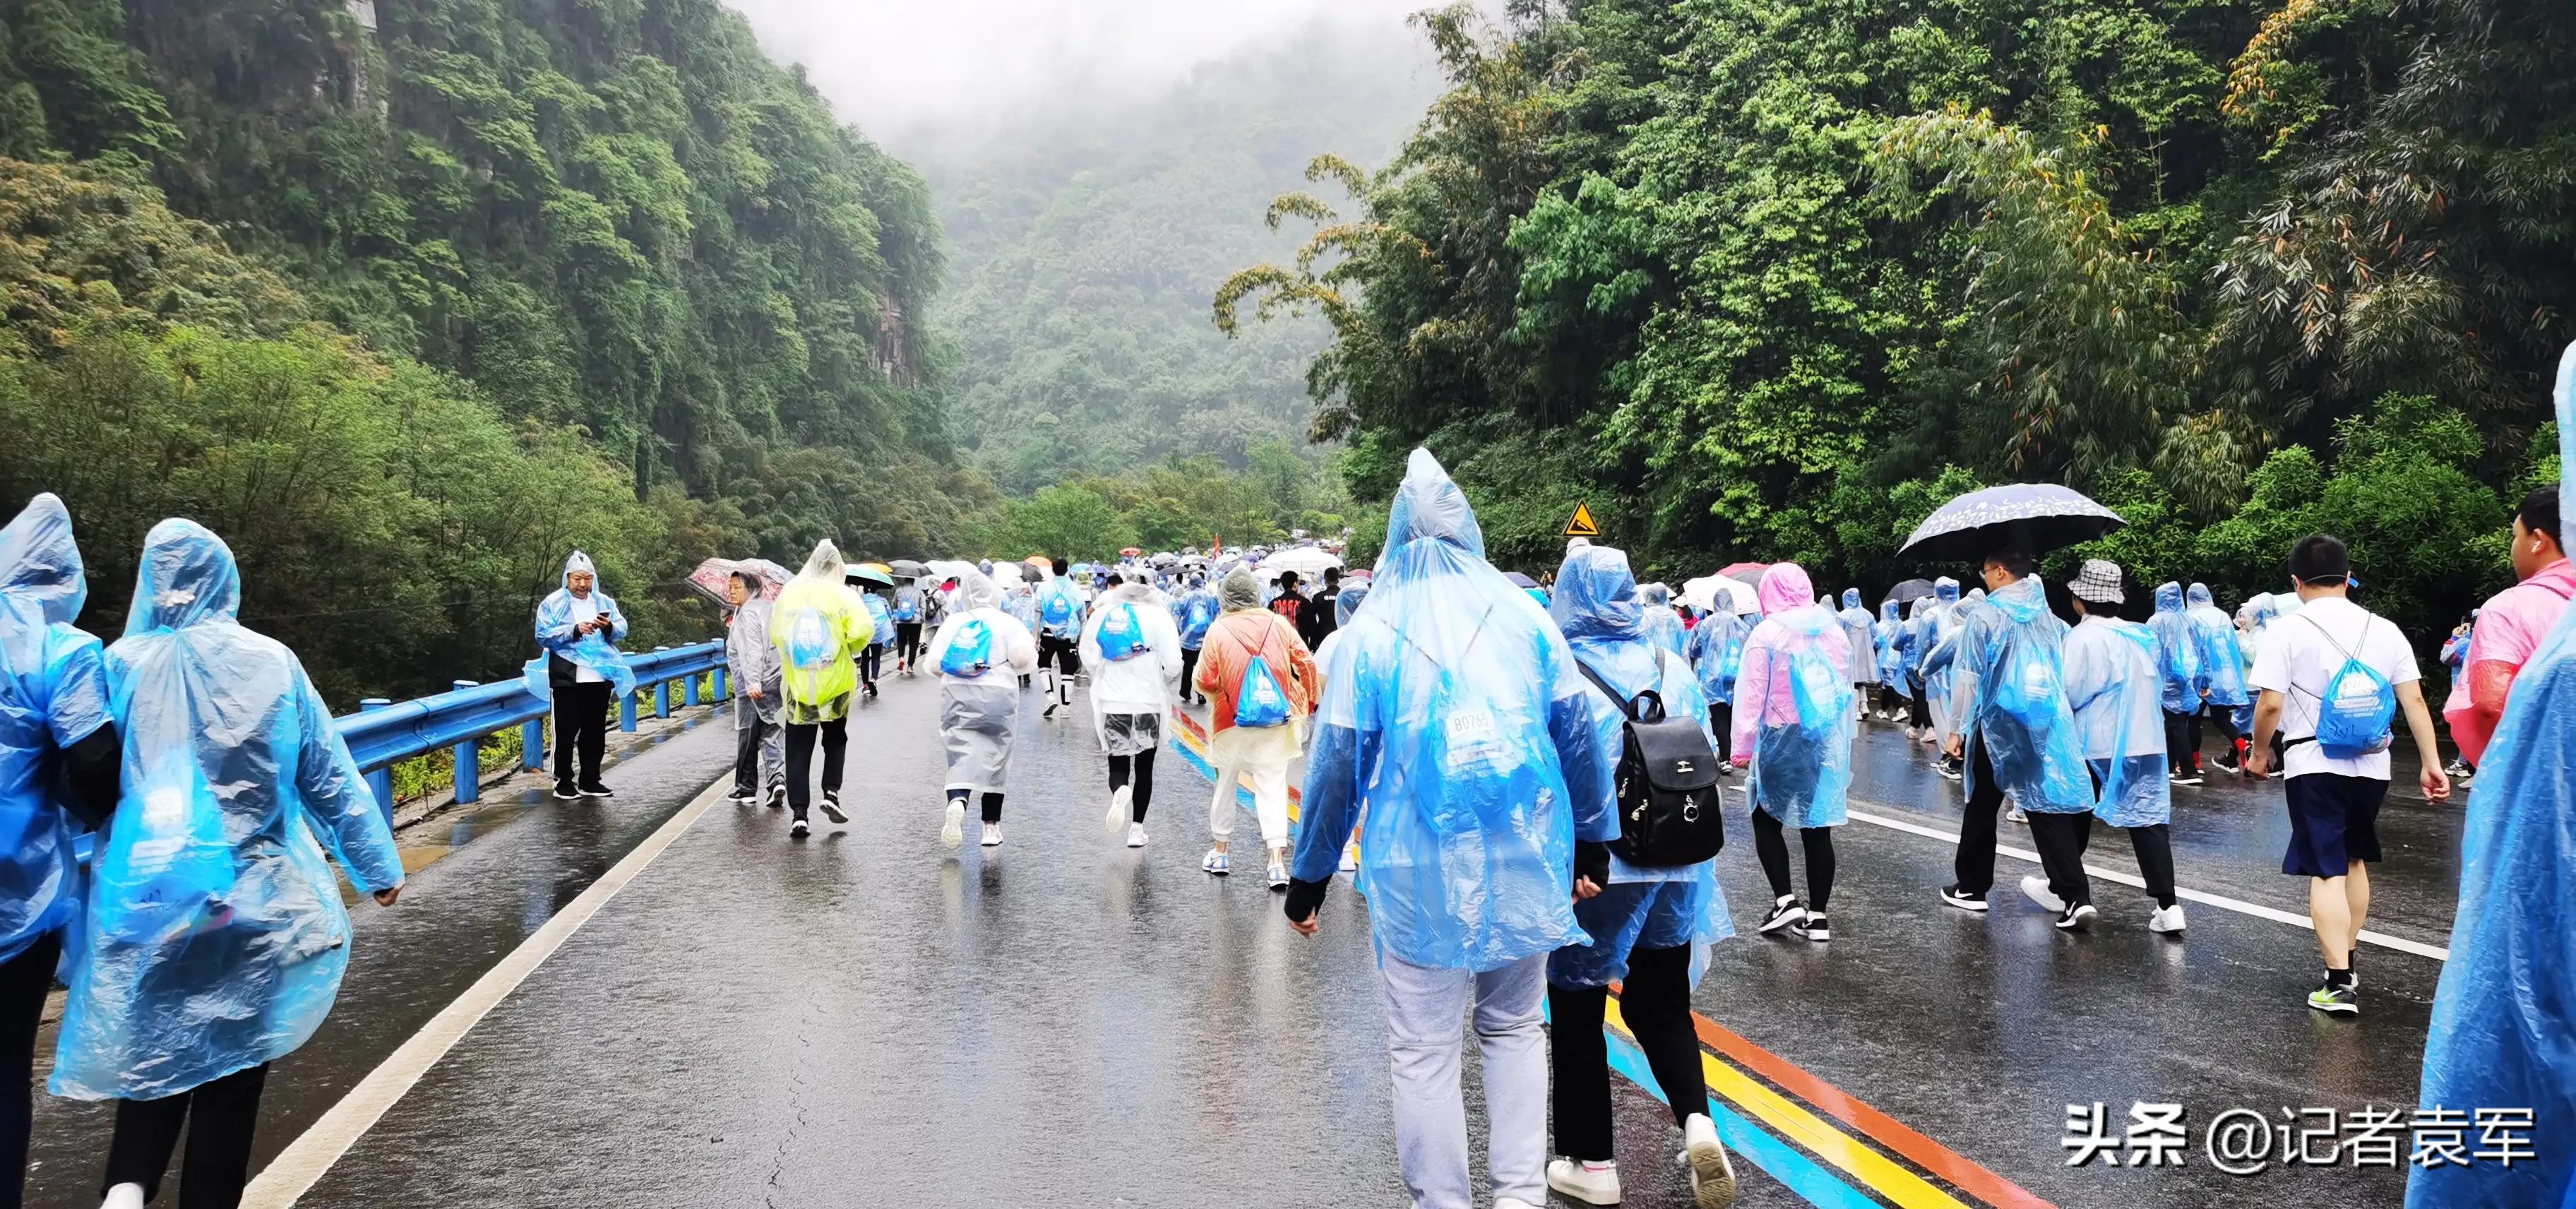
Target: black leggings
[871,661]
[1655,999]
[992,803]
[24,980]
[907,642]
[2182,740]
[1771,844]
[2225,717]
[1721,721]
[219,1117]
[800,759]
[2155,860]
[1143,764]
[1189,674]
[1918,712]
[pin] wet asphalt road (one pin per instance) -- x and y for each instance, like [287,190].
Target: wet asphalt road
[866,1019]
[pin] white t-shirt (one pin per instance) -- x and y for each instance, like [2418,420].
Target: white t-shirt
[584,608]
[2300,655]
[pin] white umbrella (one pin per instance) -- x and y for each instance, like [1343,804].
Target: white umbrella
[1006,576]
[1704,593]
[1306,561]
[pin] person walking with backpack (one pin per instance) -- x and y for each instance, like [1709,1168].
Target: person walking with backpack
[1061,607]
[1891,664]
[907,610]
[1135,655]
[2016,735]
[880,637]
[819,627]
[1193,613]
[2333,676]
[2222,675]
[1794,726]
[977,652]
[2178,675]
[1659,904]
[2113,688]
[1455,716]
[1260,680]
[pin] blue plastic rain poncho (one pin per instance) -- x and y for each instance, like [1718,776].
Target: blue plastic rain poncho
[1193,613]
[1454,713]
[1863,637]
[1936,639]
[2177,652]
[592,651]
[1716,651]
[213,930]
[1793,714]
[2222,664]
[2504,1020]
[2111,687]
[53,694]
[1060,609]
[2011,693]
[1595,607]
[1345,606]
[1663,626]
[1890,650]
[880,619]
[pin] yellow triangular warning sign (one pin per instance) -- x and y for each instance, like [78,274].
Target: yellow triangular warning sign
[1581,525]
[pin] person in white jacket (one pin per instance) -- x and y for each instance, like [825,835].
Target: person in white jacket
[1134,652]
[979,653]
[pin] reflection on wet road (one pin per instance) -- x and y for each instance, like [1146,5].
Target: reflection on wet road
[864,1018]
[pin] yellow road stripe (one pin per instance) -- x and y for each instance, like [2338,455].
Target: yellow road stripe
[1883,1176]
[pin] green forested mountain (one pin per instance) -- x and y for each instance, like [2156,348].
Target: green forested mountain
[265,261]
[1771,278]
[1083,245]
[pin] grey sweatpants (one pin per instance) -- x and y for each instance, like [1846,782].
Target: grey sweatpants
[760,748]
[1424,1048]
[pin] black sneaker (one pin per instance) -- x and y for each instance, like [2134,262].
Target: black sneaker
[1962,899]
[832,807]
[1815,927]
[798,830]
[566,793]
[597,791]
[1784,913]
[743,795]
[1950,771]
[2186,778]
[2077,917]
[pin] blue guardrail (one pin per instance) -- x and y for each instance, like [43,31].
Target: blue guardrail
[383,732]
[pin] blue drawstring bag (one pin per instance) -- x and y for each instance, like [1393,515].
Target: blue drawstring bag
[2353,717]
[170,879]
[1059,607]
[1121,635]
[1261,704]
[809,639]
[971,652]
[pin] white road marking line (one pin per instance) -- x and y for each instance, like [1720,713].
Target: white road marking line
[2220,901]
[311,1155]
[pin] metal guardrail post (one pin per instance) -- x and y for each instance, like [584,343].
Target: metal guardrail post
[381,781]
[532,744]
[719,683]
[469,759]
[689,689]
[626,712]
[661,693]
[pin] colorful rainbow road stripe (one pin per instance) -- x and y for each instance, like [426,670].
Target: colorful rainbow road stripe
[1823,1143]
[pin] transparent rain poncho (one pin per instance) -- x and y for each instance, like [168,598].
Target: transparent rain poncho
[2504,1019]
[595,651]
[2010,650]
[1662,625]
[1716,651]
[1454,713]
[880,618]
[1936,639]
[2222,664]
[213,934]
[819,627]
[1863,638]
[1193,612]
[750,658]
[1793,705]
[1139,682]
[2177,652]
[53,694]
[2111,687]
[1890,650]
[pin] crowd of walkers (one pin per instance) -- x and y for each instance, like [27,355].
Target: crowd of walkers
[174,794]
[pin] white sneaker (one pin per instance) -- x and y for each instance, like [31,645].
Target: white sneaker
[1583,1181]
[1118,812]
[1135,835]
[1351,857]
[1278,872]
[1712,1173]
[2166,919]
[953,832]
[2035,888]
[1217,863]
[992,835]
[123,1196]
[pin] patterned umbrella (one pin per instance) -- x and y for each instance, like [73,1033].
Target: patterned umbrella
[2034,518]
[709,579]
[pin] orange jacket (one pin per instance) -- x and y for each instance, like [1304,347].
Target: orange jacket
[1231,644]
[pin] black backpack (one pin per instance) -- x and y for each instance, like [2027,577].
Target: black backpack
[1667,784]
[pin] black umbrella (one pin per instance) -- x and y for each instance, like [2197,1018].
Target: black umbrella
[907,568]
[1519,580]
[1910,591]
[2033,518]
